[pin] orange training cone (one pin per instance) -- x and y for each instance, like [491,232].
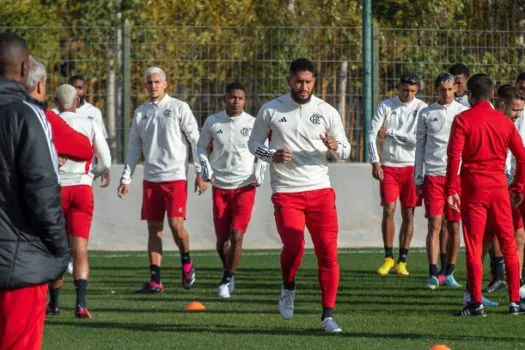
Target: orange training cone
[439,347]
[195,306]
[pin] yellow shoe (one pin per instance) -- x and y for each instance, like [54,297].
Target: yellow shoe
[401,269]
[384,269]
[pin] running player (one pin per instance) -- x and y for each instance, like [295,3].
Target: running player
[479,139]
[231,170]
[395,120]
[161,128]
[461,73]
[76,179]
[303,129]
[433,131]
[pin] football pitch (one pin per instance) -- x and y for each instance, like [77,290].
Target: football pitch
[374,312]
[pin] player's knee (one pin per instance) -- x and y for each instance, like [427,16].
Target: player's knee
[155,229]
[236,237]
[388,212]
[407,214]
[177,227]
[434,225]
[520,238]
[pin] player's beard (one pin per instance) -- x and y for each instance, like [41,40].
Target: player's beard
[299,99]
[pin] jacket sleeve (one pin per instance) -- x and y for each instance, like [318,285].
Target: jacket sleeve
[100,122]
[517,149]
[259,135]
[69,142]
[39,179]
[134,151]
[371,141]
[402,137]
[421,140]
[190,128]
[454,151]
[102,151]
[202,149]
[338,132]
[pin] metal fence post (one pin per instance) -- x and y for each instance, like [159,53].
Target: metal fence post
[367,70]
[375,57]
[126,82]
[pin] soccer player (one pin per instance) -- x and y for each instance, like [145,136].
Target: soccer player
[433,131]
[76,179]
[303,129]
[161,128]
[520,82]
[231,170]
[479,139]
[395,120]
[68,142]
[461,73]
[34,248]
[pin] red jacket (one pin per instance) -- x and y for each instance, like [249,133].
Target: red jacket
[68,142]
[480,138]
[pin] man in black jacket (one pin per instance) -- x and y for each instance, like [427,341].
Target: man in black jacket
[33,242]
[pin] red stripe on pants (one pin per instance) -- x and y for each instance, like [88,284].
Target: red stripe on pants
[22,315]
[479,207]
[315,209]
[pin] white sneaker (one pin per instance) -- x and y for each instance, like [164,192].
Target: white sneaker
[224,291]
[70,268]
[522,292]
[232,284]
[286,303]
[330,326]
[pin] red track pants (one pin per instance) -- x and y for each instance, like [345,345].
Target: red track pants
[22,315]
[315,209]
[479,207]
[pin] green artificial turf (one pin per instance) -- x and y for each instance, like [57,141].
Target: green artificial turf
[374,312]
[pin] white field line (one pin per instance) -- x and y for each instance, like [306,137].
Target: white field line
[245,253]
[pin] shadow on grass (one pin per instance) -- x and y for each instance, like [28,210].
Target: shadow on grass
[311,332]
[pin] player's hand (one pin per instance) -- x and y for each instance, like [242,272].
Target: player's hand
[255,183]
[419,190]
[515,199]
[105,179]
[200,185]
[377,172]
[61,160]
[329,141]
[282,156]
[123,190]
[454,202]
[383,132]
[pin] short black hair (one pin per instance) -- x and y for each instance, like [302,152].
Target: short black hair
[480,86]
[409,78]
[520,77]
[301,65]
[508,93]
[10,44]
[74,78]
[235,86]
[458,69]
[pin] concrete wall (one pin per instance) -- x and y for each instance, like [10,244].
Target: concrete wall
[117,224]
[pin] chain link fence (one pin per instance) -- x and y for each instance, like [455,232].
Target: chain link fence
[201,61]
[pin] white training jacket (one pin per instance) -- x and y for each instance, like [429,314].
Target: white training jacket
[161,131]
[400,119]
[463,100]
[298,128]
[432,135]
[230,163]
[510,165]
[74,173]
[87,110]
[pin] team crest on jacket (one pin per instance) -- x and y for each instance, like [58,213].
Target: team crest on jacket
[246,132]
[168,113]
[316,119]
